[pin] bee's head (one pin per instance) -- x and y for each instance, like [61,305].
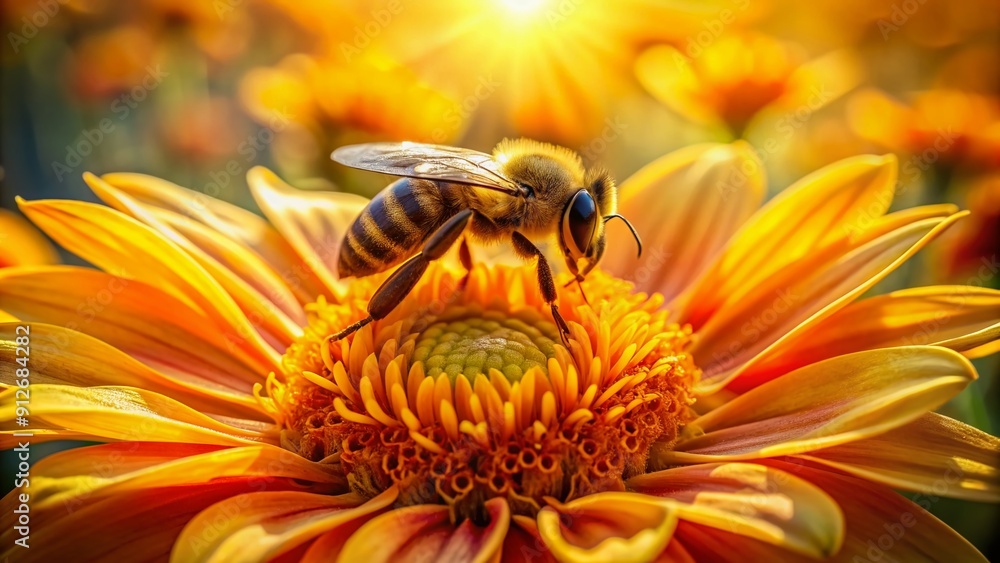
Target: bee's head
[581,229]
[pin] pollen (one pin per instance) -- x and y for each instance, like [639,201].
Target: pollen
[465,394]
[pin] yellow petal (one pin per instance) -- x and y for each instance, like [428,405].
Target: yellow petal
[62,356]
[144,322]
[127,413]
[263,307]
[879,226]
[314,223]
[609,526]
[881,524]
[424,533]
[233,222]
[833,402]
[21,244]
[122,246]
[111,469]
[963,318]
[276,286]
[751,500]
[934,455]
[685,206]
[793,301]
[258,526]
[827,205]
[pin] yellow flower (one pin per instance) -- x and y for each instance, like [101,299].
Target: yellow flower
[551,69]
[362,94]
[727,82]
[940,126]
[743,405]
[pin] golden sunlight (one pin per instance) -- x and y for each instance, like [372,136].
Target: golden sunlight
[522,7]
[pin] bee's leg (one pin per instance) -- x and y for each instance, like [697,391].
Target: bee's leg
[546,282]
[465,255]
[394,289]
[579,283]
[578,280]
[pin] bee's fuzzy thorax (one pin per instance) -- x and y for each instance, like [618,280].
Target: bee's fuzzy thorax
[510,149]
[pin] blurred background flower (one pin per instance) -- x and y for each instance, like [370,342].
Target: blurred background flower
[201,91]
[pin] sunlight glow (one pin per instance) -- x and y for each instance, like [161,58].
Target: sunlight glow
[522,7]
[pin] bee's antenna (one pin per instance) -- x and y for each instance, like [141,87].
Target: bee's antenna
[638,241]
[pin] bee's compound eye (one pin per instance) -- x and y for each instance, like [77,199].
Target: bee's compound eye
[579,223]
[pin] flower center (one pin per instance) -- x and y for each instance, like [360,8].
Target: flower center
[473,346]
[462,397]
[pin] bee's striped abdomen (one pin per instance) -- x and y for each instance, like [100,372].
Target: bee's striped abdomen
[392,227]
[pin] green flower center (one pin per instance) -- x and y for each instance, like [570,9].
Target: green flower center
[474,345]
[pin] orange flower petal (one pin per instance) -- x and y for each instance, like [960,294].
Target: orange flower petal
[839,400]
[882,523]
[796,299]
[750,500]
[121,245]
[144,322]
[314,223]
[127,413]
[612,526]
[110,461]
[825,206]
[93,472]
[326,547]
[62,356]
[470,542]
[523,543]
[233,222]
[934,455]
[264,305]
[139,525]
[685,206]
[704,543]
[962,318]
[425,533]
[21,244]
[259,526]
[675,551]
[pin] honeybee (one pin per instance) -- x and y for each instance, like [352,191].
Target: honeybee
[525,190]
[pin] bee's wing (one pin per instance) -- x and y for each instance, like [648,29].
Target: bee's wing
[430,162]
